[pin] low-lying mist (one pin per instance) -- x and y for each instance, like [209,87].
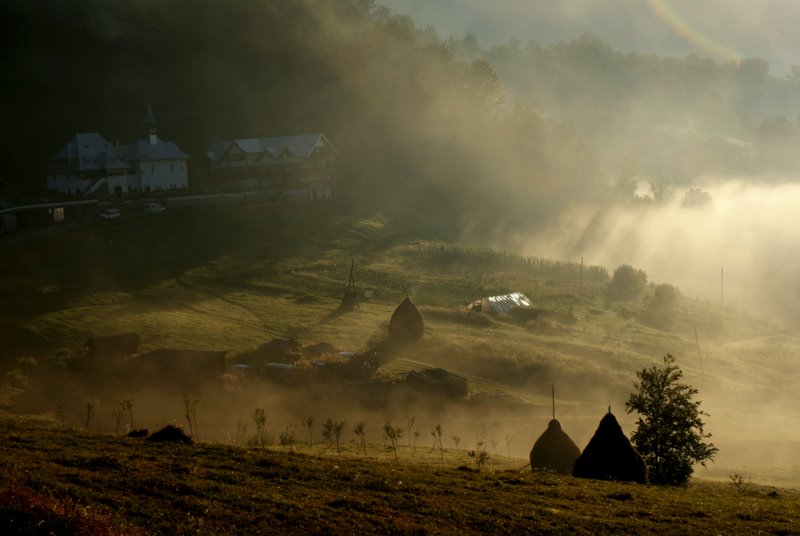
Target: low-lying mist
[739,247]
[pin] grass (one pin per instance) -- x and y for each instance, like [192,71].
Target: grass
[129,486]
[231,278]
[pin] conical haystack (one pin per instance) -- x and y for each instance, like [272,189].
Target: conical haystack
[406,324]
[610,455]
[554,450]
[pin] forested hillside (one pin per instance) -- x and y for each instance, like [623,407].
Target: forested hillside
[412,123]
[639,111]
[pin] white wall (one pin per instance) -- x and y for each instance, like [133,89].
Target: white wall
[158,175]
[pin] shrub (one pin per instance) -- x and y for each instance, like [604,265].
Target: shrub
[626,283]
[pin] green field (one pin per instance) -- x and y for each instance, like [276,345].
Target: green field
[232,278]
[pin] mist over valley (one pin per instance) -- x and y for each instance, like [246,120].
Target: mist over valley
[242,198]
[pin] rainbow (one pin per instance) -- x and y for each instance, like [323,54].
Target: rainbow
[675,22]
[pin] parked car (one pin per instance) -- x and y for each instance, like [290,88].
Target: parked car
[110,214]
[154,207]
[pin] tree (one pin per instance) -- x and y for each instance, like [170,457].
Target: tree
[669,433]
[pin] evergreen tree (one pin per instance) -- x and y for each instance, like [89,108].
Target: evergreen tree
[669,433]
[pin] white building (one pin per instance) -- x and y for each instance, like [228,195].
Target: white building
[88,164]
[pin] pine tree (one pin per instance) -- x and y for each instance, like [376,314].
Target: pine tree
[669,433]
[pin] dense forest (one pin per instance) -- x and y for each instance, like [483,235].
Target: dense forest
[486,137]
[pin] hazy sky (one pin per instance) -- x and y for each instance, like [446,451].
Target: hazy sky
[721,29]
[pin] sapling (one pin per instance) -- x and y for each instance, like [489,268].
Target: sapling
[437,439]
[360,429]
[117,414]
[509,438]
[309,423]
[393,434]
[190,412]
[457,441]
[260,418]
[91,403]
[241,432]
[410,420]
[60,417]
[287,436]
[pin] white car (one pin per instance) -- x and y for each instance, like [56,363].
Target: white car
[110,214]
[154,208]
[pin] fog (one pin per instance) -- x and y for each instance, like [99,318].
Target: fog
[564,147]
[739,249]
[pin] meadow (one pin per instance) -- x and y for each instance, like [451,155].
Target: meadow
[232,278]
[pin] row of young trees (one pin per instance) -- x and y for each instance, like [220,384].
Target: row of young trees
[669,432]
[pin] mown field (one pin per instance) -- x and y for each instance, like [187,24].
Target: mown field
[67,482]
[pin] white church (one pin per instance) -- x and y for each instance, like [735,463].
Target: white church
[89,165]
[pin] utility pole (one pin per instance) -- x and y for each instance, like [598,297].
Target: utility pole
[554,400]
[580,284]
[721,286]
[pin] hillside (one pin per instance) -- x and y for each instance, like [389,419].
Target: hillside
[73,482]
[233,278]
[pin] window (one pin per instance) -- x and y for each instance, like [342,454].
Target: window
[58,214]
[152,169]
[172,168]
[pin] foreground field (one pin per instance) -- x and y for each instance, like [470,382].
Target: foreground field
[71,482]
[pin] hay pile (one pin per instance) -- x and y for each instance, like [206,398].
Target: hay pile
[170,433]
[610,456]
[406,324]
[554,451]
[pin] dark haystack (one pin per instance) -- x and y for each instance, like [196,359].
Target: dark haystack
[554,450]
[138,433]
[170,433]
[610,456]
[406,324]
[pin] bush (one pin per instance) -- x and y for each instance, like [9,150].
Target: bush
[626,283]
[661,309]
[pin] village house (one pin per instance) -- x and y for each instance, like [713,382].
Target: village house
[302,167]
[89,164]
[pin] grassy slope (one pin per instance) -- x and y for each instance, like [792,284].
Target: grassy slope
[134,486]
[232,278]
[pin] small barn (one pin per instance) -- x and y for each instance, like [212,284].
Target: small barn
[114,346]
[610,455]
[554,450]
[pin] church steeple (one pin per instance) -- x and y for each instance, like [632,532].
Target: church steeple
[149,122]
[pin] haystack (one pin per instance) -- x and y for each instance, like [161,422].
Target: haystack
[610,455]
[170,433]
[554,450]
[406,324]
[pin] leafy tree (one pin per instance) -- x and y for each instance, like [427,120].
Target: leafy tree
[669,433]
